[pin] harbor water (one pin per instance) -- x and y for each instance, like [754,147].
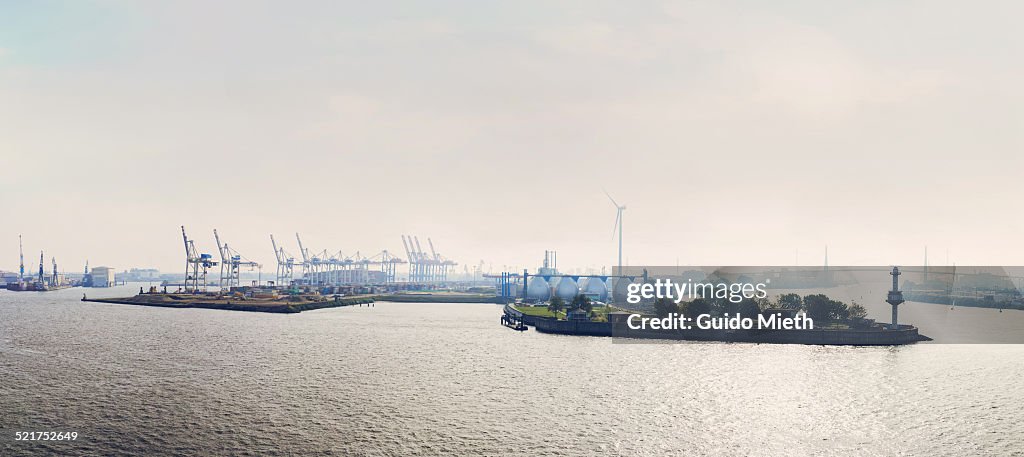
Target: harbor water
[431,379]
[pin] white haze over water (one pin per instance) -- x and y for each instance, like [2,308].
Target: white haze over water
[735,132]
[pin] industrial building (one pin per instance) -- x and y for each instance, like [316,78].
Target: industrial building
[101,277]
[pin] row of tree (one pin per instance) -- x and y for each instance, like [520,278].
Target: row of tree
[557,304]
[820,307]
[817,306]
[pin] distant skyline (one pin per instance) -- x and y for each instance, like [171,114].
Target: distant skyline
[735,133]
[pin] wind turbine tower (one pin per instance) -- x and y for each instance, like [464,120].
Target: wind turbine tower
[617,227]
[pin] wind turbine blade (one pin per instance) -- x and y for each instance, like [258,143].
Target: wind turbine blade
[615,227]
[610,198]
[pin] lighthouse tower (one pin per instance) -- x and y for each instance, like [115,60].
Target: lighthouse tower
[895,296]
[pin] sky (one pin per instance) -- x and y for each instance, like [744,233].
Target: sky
[736,133]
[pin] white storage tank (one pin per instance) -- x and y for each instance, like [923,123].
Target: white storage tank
[567,289]
[594,287]
[538,289]
[620,288]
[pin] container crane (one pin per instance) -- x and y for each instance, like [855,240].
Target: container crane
[415,267]
[285,265]
[230,264]
[196,264]
[423,267]
[307,271]
[428,268]
[388,264]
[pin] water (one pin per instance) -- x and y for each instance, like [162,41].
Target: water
[429,379]
[943,323]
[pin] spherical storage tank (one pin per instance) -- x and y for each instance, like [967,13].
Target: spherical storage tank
[620,290]
[538,289]
[567,289]
[594,287]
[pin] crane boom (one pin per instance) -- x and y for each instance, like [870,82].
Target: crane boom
[302,250]
[276,252]
[419,250]
[220,248]
[408,252]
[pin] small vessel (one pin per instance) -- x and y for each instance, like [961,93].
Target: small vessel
[513,323]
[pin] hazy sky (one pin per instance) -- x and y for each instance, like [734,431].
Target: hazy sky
[735,132]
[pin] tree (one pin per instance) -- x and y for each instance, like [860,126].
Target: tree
[556,305]
[838,310]
[857,315]
[665,306]
[697,307]
[857,311]
[821,308]
[763,303]
[790,301]
[749,308]
[581,302]
[817,307]
[722,305]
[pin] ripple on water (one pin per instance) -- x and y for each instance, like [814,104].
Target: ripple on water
[414,379]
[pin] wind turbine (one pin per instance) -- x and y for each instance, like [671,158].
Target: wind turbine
[617,227]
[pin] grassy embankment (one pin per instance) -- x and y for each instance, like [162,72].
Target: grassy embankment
[542,311]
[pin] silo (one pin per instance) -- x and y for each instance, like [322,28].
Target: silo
[566,289]
[594,287]
[538,289]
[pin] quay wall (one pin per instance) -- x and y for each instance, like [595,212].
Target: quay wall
[284,307]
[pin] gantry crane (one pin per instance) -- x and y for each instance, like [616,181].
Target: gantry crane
[196,264]
[388,264]
[425,268]
[285,265]
[307,267]
[230,264]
